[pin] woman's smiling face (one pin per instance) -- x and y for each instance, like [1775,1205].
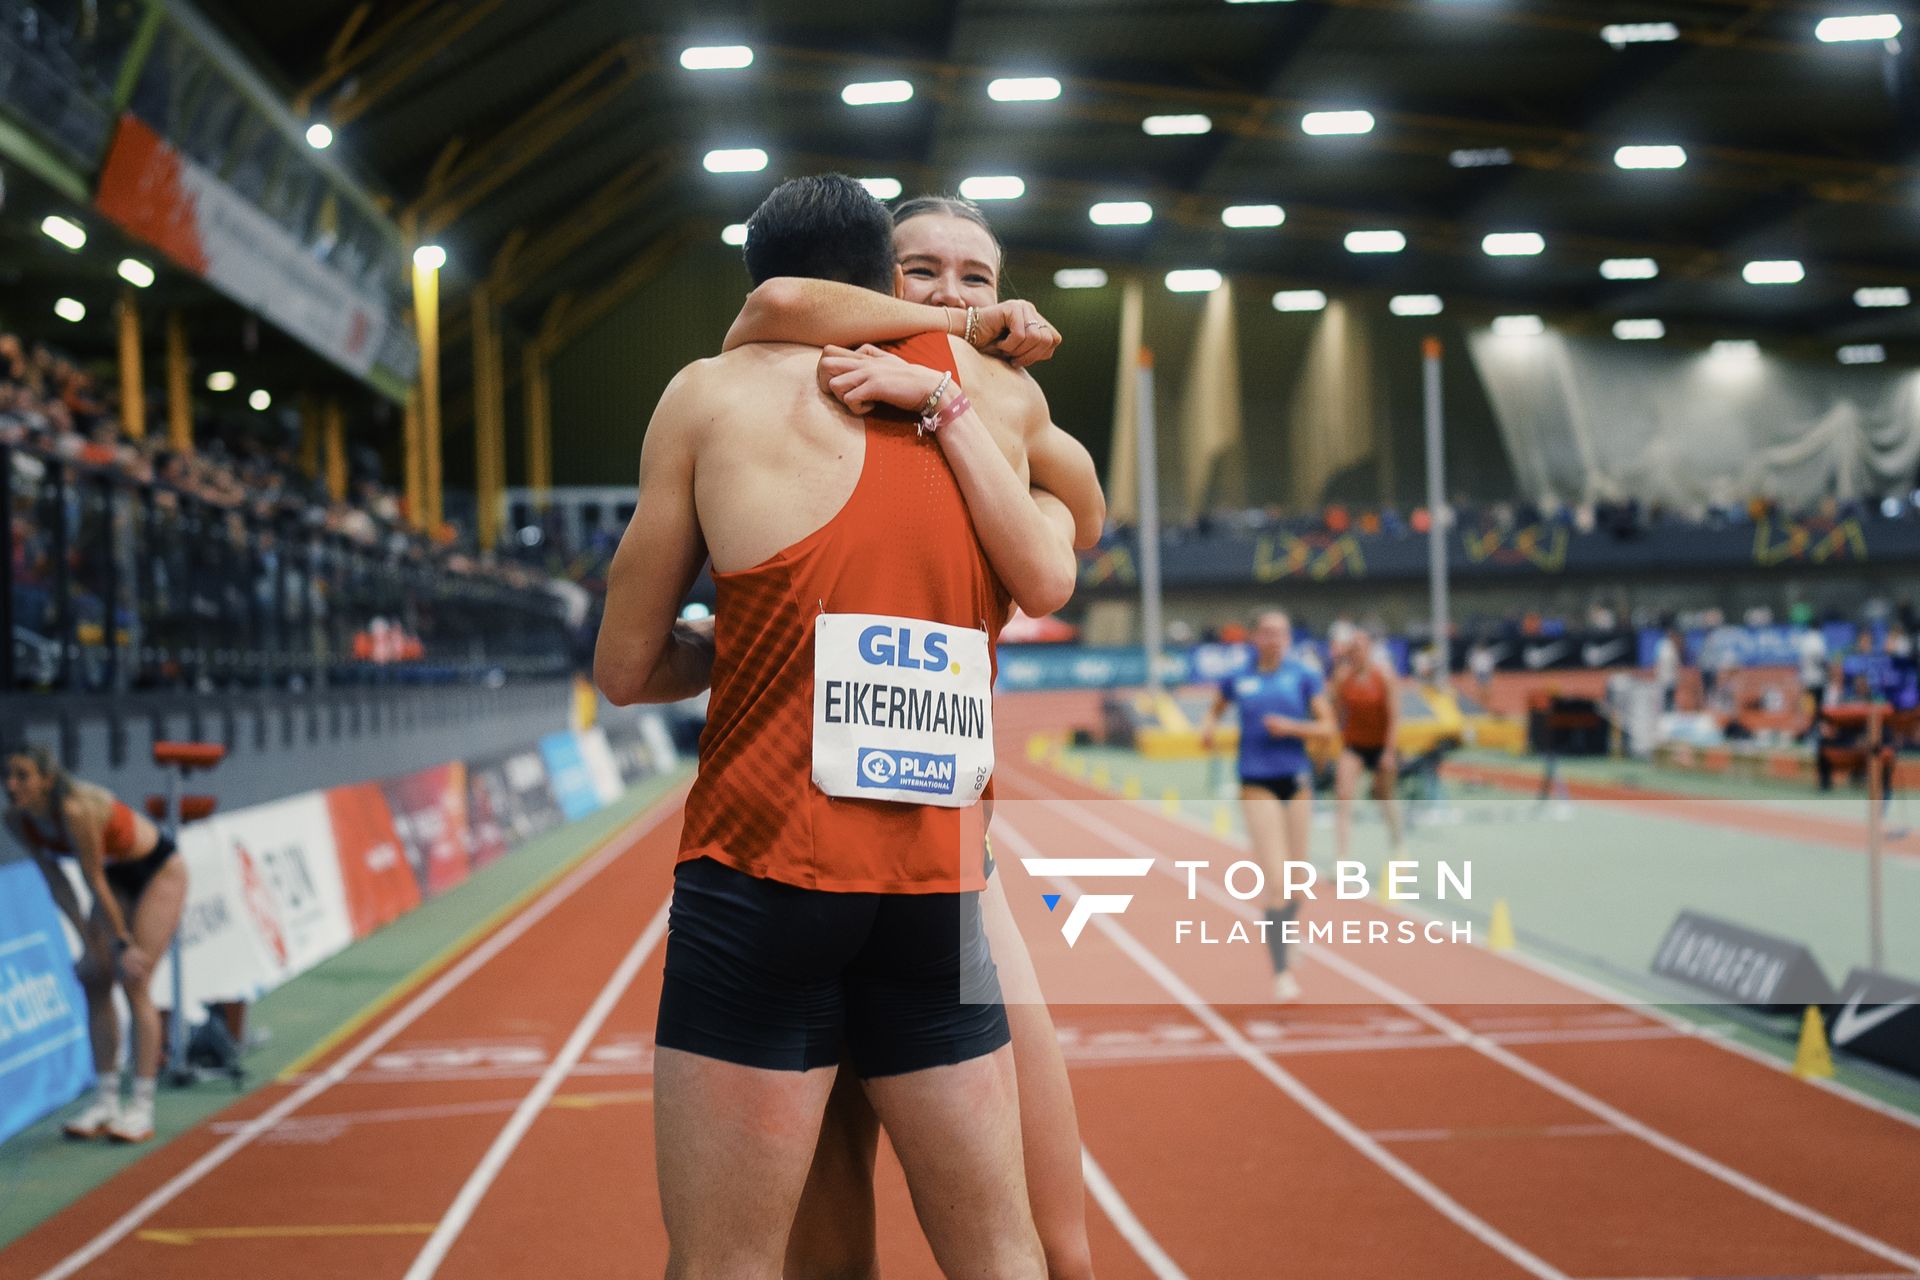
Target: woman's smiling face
[948,261]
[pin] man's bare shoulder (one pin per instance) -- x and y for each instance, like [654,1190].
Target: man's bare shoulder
[703,394]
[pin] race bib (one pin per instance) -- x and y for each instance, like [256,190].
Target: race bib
[902,710]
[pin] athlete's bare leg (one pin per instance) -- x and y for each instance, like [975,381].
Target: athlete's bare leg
[834,1227]
[956,1130]
[1049,1129]
[1346,787]
[1386,784]
[153,921]
[732,1148]
[833,1232]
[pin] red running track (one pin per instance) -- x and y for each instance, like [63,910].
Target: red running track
[496,1123]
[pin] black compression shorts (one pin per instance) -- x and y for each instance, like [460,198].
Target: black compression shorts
[131,878]
[1283,789]
[765,974]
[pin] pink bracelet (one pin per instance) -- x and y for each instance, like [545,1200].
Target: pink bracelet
[947,415]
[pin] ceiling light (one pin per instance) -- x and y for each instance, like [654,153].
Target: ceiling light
[1639,33]
[1121,213]
[1661,156]
[220,380]
[1173,126]
[70,234]
[1638,330]
[734,233]
[1375,241]
[735,160]
[259,401]
[1480,158]
[135,272]
[1416,304]
[1735,349]
[1784,271]
[1193,280]
[1001,187]
[1890,296]
[881,188]
[1513,244]
[1868,26]
[716,57]
[1079,278]
[1253,215]
[1863,353]
[319,136]
[1629,269]
[873,93]
[430,257]
[1325,124]
[70,309]
[1519,326]
[1024,89]
[1299,300]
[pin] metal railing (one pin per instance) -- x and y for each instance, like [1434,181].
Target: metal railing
[109,584]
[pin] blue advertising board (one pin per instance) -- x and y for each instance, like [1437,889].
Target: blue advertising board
[45,1059]
[567,774]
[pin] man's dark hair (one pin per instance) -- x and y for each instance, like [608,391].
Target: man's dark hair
[826,228]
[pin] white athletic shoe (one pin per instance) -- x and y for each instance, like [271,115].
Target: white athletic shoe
[92,1122]
[1286,988]
[134,1124]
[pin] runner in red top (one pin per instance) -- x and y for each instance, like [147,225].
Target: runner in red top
[1366,698]
[139,889]
[826,903]
[949,257]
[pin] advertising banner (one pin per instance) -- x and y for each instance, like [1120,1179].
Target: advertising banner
[159,195]
[430,814]
[45,1058]
[380,882]
[489,812]
[535,807]
[290,882]
[567,773]
[597,755]
[1737,965]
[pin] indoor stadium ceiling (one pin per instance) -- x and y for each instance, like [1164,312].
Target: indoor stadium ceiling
[568,132]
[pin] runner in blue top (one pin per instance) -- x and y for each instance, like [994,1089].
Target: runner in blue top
[1282,703]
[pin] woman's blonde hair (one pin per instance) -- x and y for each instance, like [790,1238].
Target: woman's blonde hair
[49,765]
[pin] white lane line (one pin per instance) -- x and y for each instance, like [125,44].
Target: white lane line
[1614,995]
[1108,1197]
[348,1062]
[1288,1084]
[461,1211]
[1528,1070]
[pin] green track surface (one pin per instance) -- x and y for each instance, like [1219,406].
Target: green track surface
[1593,886]
[41,1172]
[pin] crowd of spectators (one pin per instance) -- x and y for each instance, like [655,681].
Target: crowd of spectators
[240,495]
[1623,519]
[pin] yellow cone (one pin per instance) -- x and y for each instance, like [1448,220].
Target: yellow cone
[1812,1060]
[1222,821]
[1131,787]
[1037,747]
[1101,777]
[1500,930]
[1170,802]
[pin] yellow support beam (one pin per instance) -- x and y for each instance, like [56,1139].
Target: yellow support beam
[336,430]
[445,26]
[179,390]
[426,319]
[489,419]
[533,364]
[133,387]
[411,463]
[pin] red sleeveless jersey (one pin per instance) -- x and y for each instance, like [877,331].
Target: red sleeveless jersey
[904,545]
[1362,696]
